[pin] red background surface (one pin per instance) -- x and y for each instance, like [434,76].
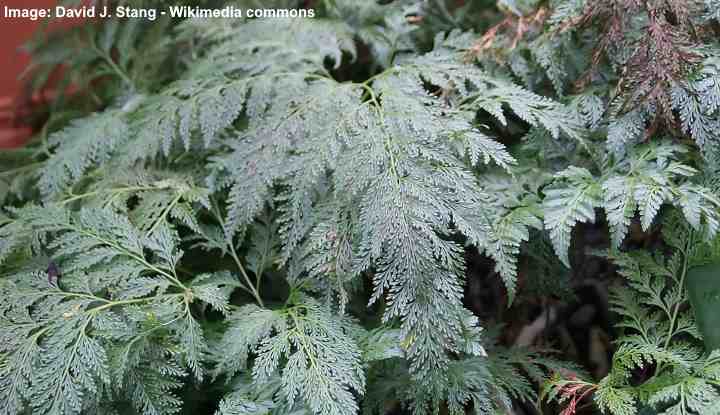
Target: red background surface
[13,33]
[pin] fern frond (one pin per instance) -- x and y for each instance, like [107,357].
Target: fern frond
[248,326]
[567,205]
[87,143]
[323,364]
[505,239]
[118,286]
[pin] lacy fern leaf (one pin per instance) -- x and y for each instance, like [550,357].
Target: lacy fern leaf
[308,215]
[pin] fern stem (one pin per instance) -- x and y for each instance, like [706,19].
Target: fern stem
[58,292]
[20,169]
[387,144]
[148,331]
[163,215]
[97,192]
[681,288]
[111,304]
[71,356]
[378,75]
[81,295]
[242,286]
[258,280]
[253,290]
[138,258]
[115,68]
[302,343]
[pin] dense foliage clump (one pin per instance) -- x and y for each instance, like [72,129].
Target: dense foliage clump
[275,216]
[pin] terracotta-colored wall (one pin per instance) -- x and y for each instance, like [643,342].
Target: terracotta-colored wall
[13,33]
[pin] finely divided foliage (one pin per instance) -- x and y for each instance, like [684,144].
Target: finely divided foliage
[279,211]
[659,333]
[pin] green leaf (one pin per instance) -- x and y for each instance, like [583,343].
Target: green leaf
[703,285]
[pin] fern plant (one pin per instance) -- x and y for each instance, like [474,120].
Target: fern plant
[660,361]
[274,216]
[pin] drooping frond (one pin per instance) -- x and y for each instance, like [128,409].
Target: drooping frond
[321,363]
[640,183]
[565,206]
